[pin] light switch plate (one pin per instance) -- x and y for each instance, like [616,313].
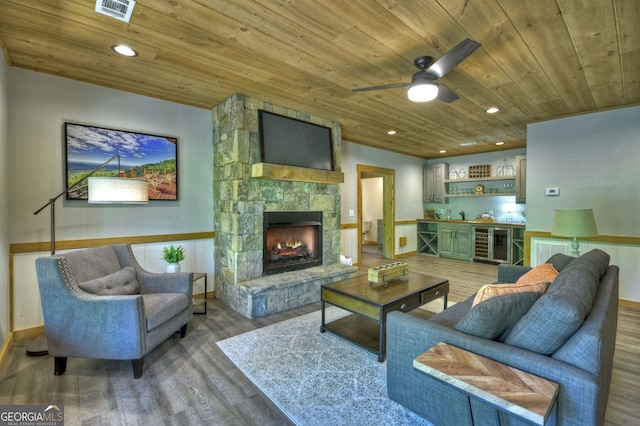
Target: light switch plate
[552,191]
[352,213]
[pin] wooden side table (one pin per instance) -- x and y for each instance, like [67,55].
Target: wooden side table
[200,303]
[510,391]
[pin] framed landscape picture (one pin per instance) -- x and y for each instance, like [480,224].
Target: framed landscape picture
[152,157]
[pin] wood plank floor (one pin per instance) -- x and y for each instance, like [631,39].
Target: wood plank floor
[183,384]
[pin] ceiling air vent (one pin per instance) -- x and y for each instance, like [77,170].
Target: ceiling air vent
[119,9]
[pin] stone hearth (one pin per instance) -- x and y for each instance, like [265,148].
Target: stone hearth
[239,204]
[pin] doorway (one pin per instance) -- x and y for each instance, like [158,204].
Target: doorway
[388,207]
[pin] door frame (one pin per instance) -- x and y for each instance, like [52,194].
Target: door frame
[388,207]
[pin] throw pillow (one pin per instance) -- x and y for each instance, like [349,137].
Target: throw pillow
[495,317]
[122,282]
[545,272]
[491,290]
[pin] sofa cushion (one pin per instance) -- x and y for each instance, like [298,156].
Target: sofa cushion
[494,317]
[488,291]
[594,262]
[541,273]
[122,282]
[556,316]
[560,261]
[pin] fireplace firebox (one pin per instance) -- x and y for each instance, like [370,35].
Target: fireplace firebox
[292,241]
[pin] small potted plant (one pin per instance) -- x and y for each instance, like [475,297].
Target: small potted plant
[173,256]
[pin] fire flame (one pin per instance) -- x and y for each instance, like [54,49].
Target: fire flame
[289,244]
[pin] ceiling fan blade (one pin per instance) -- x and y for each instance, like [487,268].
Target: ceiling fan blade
[384,86]
[445,94]
[453,57]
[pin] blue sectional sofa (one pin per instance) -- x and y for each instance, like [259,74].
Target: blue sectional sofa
[566,336]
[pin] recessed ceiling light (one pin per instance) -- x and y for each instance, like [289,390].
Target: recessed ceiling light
[468,143]
[500,143]
[442,151]
[392,132]
[492,110]
[124,50]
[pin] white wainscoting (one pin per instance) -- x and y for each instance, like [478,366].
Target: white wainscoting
[27,310]
[626,256]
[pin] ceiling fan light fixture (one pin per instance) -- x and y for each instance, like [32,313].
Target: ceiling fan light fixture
[422,92]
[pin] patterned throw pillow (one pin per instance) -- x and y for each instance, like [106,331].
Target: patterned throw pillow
[492,290]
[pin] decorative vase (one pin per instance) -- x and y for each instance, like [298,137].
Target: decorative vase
[173,268]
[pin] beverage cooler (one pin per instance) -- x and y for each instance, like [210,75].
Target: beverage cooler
[491,243]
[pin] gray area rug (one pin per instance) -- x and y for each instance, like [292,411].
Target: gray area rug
[317,378]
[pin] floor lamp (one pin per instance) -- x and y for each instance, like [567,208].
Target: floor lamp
[574,223]
[105,190]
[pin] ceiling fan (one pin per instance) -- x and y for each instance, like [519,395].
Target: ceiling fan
[423,87]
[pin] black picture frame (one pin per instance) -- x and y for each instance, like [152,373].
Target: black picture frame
[142,155]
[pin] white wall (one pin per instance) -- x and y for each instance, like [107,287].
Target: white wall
[28,309]
[4,203]
[40,104]
[593,160]
[408,194]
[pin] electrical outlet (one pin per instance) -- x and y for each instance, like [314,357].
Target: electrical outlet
[352,213]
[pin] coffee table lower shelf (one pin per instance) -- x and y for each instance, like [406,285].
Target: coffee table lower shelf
[362,331]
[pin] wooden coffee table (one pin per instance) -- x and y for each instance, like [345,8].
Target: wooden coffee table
[370,305]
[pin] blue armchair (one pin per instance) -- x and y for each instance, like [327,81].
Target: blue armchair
[99,303]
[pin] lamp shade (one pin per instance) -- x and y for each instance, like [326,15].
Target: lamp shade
[574,223]
[109,190]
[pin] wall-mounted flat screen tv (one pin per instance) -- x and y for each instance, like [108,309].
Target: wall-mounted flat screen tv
[292,142]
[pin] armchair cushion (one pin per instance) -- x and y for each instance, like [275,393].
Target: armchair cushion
[122,282]
[160,307]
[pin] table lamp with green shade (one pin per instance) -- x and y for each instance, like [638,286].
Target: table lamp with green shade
[574,223]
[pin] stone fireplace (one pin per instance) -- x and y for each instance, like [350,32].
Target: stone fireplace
[244,199]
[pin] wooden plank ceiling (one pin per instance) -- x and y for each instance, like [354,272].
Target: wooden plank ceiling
[539,59]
